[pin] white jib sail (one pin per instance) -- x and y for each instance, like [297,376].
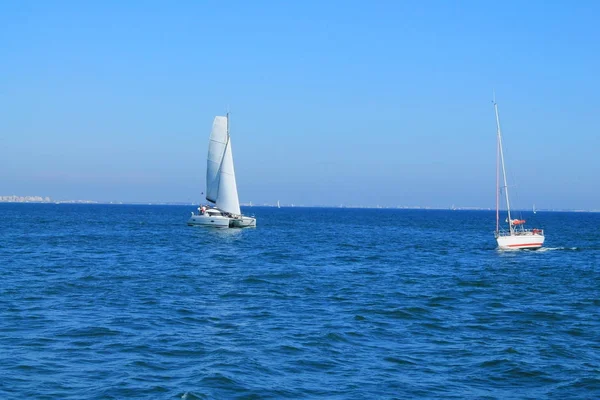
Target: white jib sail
[216,150]
[228,200]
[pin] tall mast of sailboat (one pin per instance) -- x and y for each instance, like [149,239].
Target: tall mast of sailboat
[497,180]
[227,116]
[499,133]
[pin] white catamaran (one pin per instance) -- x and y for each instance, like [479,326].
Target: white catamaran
[221,188]
[517,237]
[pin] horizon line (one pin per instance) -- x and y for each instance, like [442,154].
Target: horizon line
[291,205]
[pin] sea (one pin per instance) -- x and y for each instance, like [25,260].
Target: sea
[128,302]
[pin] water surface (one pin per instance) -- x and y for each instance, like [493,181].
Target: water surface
[107,301]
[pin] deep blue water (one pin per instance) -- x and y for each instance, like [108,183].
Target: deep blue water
[101,302]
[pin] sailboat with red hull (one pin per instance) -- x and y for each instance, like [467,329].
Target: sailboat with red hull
[516,237]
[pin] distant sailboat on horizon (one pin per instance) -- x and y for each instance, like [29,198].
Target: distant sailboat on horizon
[517,236]
[278,205]
[221,186]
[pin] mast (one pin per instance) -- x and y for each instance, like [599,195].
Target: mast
[497,185]
[227,116]
[499,133]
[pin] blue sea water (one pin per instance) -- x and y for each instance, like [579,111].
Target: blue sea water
[117,301]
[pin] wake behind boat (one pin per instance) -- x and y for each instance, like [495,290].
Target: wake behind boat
[517,237]
[221,188]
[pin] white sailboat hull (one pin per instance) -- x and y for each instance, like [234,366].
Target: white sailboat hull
[213,217]
[242,222]
[521,240]
[215,221]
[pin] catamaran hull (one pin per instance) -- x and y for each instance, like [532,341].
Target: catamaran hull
[221,221]
[209,221]
[243,222]
[520,241]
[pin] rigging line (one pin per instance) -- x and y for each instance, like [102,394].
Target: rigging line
[497,182]
[516,194]
[499,134]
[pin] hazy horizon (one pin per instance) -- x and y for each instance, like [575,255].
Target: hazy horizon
[338,103]
[453,207]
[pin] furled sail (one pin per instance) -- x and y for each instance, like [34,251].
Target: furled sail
[227,199]
[216,150]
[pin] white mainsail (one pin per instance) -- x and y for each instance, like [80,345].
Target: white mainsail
[227,199]
[216,150]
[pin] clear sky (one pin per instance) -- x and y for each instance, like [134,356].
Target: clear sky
[353,102]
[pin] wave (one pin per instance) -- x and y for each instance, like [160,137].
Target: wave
[544,249]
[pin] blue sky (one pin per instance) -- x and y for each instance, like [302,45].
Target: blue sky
[352,102]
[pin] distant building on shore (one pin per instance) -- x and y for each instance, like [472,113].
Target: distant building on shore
[25,199]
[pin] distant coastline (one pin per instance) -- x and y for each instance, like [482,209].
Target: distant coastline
[49,200]
[40,199]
